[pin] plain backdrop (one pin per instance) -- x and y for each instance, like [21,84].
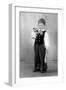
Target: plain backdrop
[4,43]
[27,22]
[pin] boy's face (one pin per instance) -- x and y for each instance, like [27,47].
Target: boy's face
[41,26]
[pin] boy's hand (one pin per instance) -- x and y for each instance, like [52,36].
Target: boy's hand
[34,35]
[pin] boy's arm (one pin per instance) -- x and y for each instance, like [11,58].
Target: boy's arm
[46,39]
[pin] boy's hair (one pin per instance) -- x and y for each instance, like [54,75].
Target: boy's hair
[41,20]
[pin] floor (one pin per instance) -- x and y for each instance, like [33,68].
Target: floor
[26,69]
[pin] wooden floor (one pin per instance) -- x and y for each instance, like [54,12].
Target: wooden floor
[26,69]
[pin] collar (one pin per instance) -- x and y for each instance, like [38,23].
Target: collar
[42,29]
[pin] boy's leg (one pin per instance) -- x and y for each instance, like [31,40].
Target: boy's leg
[36,52]
[38,62]
[42,51]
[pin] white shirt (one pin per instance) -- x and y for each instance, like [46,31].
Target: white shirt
[46,39]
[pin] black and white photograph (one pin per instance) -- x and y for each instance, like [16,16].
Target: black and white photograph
[35,52]
[33,45]
[38,38]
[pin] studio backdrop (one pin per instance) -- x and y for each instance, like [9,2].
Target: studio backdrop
[28,20]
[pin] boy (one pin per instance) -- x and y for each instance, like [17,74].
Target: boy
[41,43]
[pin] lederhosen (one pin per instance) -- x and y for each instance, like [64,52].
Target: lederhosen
[39,49]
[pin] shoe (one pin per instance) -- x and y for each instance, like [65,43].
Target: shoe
[38,69]
[34,70]
[45,70]
[45,67]
[42,71]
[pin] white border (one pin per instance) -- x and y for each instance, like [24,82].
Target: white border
[15,46]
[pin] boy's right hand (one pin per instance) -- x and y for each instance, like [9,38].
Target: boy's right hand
[34,35]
